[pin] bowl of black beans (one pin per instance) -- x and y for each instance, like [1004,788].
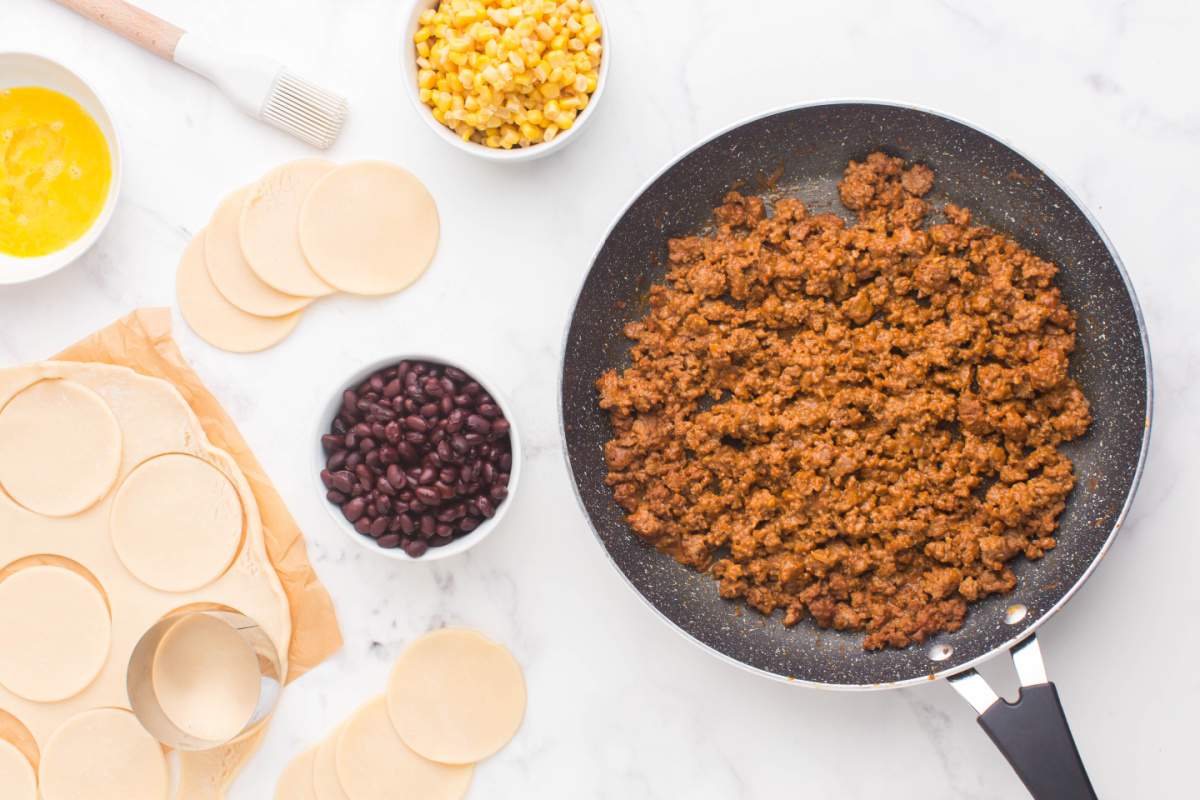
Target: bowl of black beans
[417,458]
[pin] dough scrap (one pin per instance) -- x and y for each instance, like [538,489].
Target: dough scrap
[206,678]
[456,697]
[56,631]
[296,782]
[61,448]
[326,784]
[176,522]
[373,763]
[215,319]
[369,228]
[103,754]
[16,774]
[269,228]
[229,271]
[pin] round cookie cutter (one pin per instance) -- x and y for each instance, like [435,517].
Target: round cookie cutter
[144,699]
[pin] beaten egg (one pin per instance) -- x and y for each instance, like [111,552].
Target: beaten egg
[55,171]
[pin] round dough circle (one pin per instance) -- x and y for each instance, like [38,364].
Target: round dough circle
[215,319]
[373,763]
[456,697]
[206,678]
[326,784]
[103,754]
[176,522]
[269,228]
[296,782]
[56,632]
[62,447]
[369,228]
[16,774]
[229,271]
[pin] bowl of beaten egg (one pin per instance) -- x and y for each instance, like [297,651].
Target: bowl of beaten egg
[60,167]
[506,80]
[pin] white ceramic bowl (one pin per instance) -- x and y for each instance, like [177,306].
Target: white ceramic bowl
[408,61]
[329,412]
[28,69]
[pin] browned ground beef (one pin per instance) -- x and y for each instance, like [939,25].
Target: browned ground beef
[858,423]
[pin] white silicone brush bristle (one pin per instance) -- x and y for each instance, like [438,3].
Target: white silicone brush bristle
[304,110]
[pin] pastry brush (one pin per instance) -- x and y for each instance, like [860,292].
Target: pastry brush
[259,86]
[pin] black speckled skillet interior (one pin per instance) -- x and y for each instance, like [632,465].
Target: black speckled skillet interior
[802,152]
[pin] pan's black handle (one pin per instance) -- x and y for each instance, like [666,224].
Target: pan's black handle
[1032,733]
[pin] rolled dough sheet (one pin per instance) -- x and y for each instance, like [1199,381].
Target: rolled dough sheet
[61,448]
[369,228]
[456,696]
[154,420]
[270,228]
[296,782]
[176,522]
[230,273]
[326,784]
[215,319]
[374,764]
[17,777]
[56,631]
[206,678]
[103,754]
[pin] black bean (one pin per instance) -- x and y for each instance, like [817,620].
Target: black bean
[378,527]
[416,423]
[428,496]
[392,389]
[472,388]
[383,487]
[479,425]
[339,426]
[408,453]
[384,503]
[388,455]
[331,442]
[463,400]
[485,506]
[447,404]
[335,497]
[468,524]
[414,438]
[498,493]
[459,444]
[363,525]
[371,459]
[428,524]
[472,439]
[406,524]
[500,427]
[349,401]
[391,432]
[395,476]
[343,481]
[456,374]
[433,387]
[350,440]
[415,548]
[505,462]
[390,542]
[429,410]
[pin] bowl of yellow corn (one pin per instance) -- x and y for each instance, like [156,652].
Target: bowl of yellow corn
[506,80]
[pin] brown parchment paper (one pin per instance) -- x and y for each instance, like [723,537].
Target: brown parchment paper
[142,341]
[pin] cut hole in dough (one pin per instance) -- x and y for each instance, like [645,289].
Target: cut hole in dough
[61,448]
[369,228]
[56,632]
[230,273]
[456,697]
[176,522]
[374,764]
[103,754]
[269,228]
[215,319]
[296,782]
[206,678]
[325,775]
[17,778]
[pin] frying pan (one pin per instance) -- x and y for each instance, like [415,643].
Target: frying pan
[803,151]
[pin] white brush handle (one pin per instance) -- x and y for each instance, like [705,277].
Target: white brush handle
[248,80]
[140,27]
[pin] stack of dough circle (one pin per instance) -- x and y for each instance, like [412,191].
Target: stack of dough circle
[270,232]
[80,582]
[103,754]
[296,782]
[16,774]
[61,448]
[454,698]
[373,763]
[215,319]
[369,228]
[305,230]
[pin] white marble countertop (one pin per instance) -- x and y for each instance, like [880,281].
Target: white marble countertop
[619,705]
